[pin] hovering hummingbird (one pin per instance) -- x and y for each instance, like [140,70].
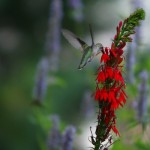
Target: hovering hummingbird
[88,51]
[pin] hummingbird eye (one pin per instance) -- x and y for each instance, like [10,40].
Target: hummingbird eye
[99,45]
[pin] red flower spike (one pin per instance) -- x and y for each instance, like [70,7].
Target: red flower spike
[110,92]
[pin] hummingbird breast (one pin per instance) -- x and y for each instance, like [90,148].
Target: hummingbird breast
[85,57]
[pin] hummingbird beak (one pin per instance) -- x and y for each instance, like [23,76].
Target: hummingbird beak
[98,53]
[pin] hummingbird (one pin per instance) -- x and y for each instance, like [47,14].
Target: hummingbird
[88,52]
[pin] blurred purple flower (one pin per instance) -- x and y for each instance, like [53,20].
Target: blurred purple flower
[138,4]
[54,138]
[87,105]
[142,98]
[67,138]
[76,9]
[41,81]
[75,3]
[52,44]
[131,61]
[52,47]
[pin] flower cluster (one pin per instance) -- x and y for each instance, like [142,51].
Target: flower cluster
[110,83]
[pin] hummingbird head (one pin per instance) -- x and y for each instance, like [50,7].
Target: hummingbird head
[98,48]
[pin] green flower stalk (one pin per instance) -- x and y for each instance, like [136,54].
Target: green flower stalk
[128,27]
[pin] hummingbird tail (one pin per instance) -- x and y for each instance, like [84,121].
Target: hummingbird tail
[80,68]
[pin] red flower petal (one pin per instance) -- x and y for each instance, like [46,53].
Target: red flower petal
[111,96]
[113,53]
[104,94]
[104,58]
[115,130]
[101,77]
[97,94]
[118,77]
[120,24]
[110,72]
[120,60]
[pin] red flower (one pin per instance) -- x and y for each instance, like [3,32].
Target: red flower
[97,94]
[101,76]
[109,72]
[104,58]
[111,83]
[122,97]
[103,95]
[115,130]
[118,76]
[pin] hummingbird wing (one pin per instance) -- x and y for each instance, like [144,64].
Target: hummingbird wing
[75,41]
[91,32]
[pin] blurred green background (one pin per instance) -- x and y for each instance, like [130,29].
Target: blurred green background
[25,30]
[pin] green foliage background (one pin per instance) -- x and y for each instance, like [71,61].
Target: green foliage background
[24,127]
